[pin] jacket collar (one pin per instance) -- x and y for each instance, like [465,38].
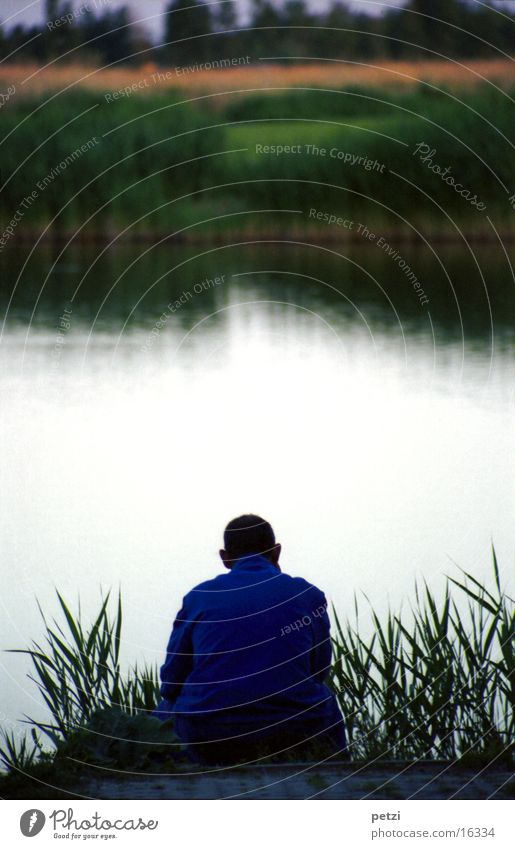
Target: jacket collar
[253,563]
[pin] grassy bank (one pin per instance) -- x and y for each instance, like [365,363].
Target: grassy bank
[258,163]
[436,683]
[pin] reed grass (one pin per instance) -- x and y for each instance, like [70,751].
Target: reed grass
[159,161]
[437,682]
[77,672]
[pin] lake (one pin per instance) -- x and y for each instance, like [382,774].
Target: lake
[150,394]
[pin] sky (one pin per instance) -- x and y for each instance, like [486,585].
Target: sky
[30,12]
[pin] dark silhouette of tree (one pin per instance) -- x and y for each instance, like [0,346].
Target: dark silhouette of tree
[424,24]
[195,32]
[3,43]
[52,10]
[186,22]
[491,29]
[267,39]
[59,35]
[24,44]
[302,39]
[225,19]
[226,16]
[334,40]
[112,35]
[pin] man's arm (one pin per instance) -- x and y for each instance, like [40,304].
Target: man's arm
[321,652]
[179,657]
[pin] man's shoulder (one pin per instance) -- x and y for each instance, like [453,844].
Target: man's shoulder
[305,586]
[210,585]
[298,579]
[222,582]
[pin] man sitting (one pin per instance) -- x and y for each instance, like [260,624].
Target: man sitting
[248,656]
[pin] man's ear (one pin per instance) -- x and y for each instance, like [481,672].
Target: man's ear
[275,554]
[225,558]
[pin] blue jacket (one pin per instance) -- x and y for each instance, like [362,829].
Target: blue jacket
[254,643]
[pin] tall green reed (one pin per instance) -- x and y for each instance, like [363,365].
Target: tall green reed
[159,164]
[77,671]
[438,683]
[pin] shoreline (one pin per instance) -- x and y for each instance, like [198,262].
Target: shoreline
[321,236]
[379,780]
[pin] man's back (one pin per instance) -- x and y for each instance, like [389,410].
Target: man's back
[255,640]
[249,653]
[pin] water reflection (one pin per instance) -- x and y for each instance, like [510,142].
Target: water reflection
[375,434]
[137,283]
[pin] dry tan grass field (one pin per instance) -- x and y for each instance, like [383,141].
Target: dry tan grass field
[35,80]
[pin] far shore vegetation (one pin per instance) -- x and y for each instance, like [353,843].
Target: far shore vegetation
[279,161]
[114,128]
[432,681]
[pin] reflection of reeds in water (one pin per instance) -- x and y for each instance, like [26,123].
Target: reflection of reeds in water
[437,683]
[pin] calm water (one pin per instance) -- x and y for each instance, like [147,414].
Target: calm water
[376,434]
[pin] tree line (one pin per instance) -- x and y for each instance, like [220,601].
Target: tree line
[192,32]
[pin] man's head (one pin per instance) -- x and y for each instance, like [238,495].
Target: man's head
[248,535]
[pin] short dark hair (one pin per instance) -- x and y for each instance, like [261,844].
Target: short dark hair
[248,534]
